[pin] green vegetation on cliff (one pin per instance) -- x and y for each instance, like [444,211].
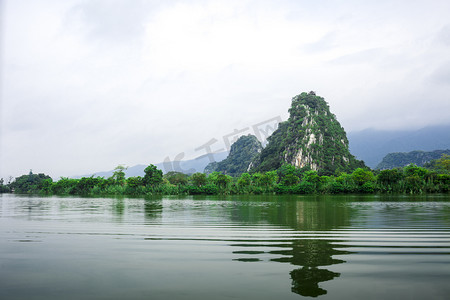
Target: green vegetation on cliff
[311,137]
[242,153]
[401,159]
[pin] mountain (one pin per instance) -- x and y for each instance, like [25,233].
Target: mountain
[242,153]
[372,145]
[311,137]
[185,166]
[401,159]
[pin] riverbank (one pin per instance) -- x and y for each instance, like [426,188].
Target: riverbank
[286,180]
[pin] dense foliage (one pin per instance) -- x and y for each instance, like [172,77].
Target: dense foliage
[311,137]
[31,183]
[441,165]
[242,153]
[287,179]
[401,159]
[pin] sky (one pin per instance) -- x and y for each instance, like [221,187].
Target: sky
[88,85]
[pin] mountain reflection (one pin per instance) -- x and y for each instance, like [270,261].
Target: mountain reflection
[311,252]
[305,281]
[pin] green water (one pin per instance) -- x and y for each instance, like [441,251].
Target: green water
[259,247]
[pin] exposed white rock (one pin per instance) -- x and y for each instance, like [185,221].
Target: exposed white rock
[301,161]
[311,140]
[298,158]
[305,122]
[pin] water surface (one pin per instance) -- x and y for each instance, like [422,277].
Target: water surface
[243,247]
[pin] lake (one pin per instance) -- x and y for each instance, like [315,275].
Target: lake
[229,247]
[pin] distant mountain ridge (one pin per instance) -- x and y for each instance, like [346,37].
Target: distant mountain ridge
[372,145]
[369,145]
[401,159]
[185,166]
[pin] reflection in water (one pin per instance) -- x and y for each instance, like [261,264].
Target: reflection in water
[153,208]
[118,207]
[305,281]
[310,252]
[172,248]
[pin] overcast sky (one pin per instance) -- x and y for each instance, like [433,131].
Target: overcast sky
[87,85]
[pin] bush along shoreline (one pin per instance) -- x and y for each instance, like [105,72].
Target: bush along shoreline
[286,180]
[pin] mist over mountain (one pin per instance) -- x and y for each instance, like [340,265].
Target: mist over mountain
[185,166]
[369,145]
[372,145]
[401,159]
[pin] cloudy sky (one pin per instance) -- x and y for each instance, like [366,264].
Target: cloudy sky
[87,85]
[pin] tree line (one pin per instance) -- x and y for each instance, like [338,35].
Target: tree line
[285,180]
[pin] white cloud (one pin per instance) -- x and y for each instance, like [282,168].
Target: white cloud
[87,85]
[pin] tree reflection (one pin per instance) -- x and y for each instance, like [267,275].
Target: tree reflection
[118,207]
[153,207]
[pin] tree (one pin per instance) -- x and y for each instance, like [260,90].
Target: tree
[223,180]
[85,185]
[287,169]
[244,180]
[443,164]
[290,179]
[271,178]
[344,178]
[360,176]
[119,174]
[290,175]
[176,177]
[198,179]
[256,178]
[134,182]
[311,176]
[212,178]
[65,186]
[31,183]
[413,170]
[389,176]
[153,175]
[3,188]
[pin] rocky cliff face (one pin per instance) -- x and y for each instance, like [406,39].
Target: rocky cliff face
[311,137]
[242,153]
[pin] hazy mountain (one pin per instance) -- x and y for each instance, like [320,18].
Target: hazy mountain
[401,159]
[186,166]
[368,145]
[372,145]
